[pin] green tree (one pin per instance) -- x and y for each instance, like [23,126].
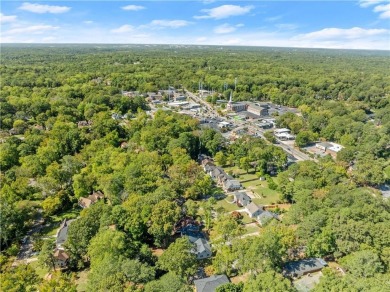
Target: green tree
[230,287]
[164,215]
[22,278]
[46,256]
[220,158]
[226,228]
[364,263]
[268,281]
[178,258]
[51,205]
[170,282]
[245,164]
[269,135]
[58,282]
[304,138]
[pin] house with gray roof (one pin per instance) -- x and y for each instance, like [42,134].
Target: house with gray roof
[297,269]
[253,210]
[202,249]
[231,185]
[241,199]
[265,217]
[210,284]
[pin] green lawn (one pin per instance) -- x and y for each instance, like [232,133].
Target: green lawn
[251,229]
[264,195]
[56,220]
[82,281]
[41,272]
[229,207]
[245,218]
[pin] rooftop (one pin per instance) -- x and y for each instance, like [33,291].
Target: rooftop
[210,284]
[302,267]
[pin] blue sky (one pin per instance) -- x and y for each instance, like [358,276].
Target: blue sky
[363,24]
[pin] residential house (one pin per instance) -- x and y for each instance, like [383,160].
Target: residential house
[216,172]
[210,284]
[265,217]
[91,199]
[231,185]
[253,210]
[241,199]
[61,259]
[223,177]
[297,269]
[202,249]
[62,233]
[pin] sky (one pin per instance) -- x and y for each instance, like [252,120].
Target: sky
[361,24]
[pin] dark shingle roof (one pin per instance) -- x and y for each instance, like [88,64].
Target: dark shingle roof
[210,284]
[302,267]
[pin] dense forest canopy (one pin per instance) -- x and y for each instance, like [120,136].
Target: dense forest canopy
[60,141]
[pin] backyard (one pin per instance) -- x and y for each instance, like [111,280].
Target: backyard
[250,181]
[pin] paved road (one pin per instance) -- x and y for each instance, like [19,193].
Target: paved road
[26,247]
[298,155]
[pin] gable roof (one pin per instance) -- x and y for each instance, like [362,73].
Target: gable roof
[243,198]
[91,199]
[232,183]
[253,208]
[202,245]
[60,255]
[302,267]
[265,216]
[210,284]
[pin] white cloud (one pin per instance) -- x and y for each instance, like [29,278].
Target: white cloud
[133,7]
[340,33]
[88,22]
[224,11]
[226,28]
[273,19]
[384,10]
[367,3]
[39,8]
[7,18]
[33,29]
[123,29]
[161,23]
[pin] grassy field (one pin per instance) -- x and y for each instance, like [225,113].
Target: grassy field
[56,220]
[265,196]
[251,229]
[82,281]
[246,219]
[229,207]
[251,182]
[41,272]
